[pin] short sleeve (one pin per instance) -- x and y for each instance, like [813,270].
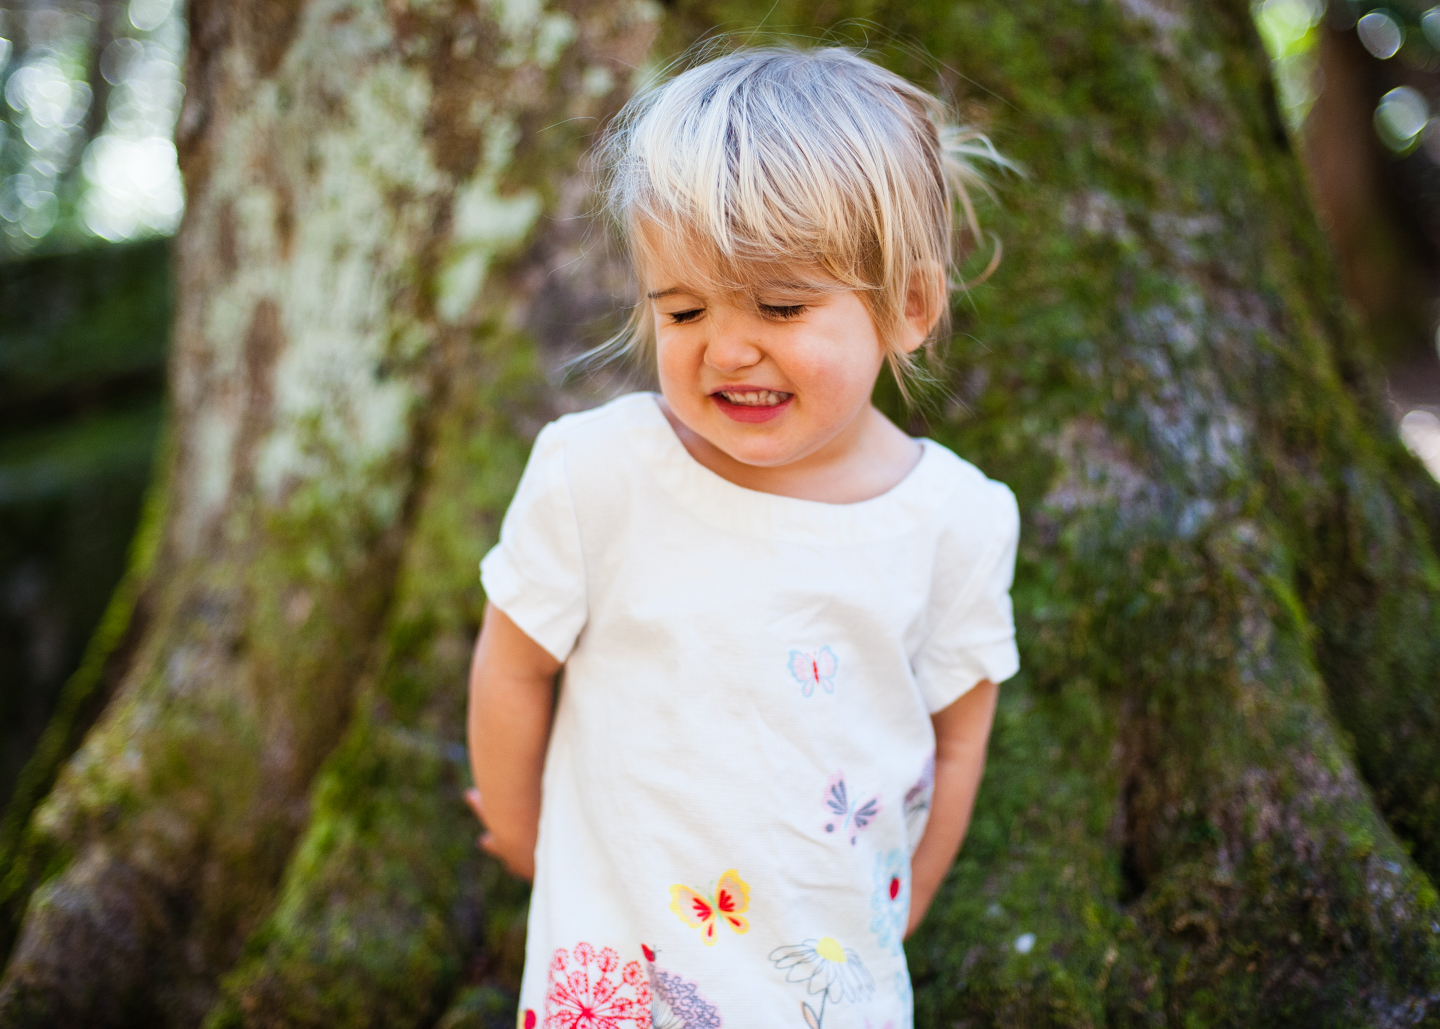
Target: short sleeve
[973,638]
[536,573]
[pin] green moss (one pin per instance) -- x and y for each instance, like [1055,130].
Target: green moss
[361,934]
[27,856]
[1220,584]
[1216,548]
[386,902]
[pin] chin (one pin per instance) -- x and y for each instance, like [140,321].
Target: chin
[761,456]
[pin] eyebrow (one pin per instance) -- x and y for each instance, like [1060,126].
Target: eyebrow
[660,294]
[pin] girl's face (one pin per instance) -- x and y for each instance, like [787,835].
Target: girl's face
[772,377]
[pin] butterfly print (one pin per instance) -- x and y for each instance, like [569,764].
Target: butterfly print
[814,669]
[917,802]
[846,814]
[729,901]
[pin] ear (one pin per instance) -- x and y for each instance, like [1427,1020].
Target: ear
[925,297]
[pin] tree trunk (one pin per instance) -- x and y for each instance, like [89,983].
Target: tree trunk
[366,184]
[1212,796]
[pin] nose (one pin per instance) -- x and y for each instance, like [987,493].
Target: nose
[734,344]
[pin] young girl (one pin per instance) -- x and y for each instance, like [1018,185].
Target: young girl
[780,620]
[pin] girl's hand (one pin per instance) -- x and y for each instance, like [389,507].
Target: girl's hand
[962,731]
[517,860]
[512,685]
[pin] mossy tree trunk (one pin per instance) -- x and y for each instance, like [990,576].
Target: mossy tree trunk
[1213,796]
[376,191]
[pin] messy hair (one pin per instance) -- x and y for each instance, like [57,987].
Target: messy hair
[768,161]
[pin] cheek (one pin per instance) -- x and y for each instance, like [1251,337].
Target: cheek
[676,368]
[669,357]
[842,373]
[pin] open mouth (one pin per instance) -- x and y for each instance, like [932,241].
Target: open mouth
[754,398]
[752,405]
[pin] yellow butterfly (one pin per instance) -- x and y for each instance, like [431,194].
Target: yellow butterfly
[730,899]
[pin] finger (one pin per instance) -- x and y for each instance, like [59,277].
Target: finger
[488,845]
[472,797]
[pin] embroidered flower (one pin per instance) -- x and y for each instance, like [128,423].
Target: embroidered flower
[891,899]
[907,998]
[675,1003]
[826,968]
[585,993]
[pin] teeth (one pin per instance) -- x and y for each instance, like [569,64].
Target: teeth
[758,398]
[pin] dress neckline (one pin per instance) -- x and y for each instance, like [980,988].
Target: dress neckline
[721,502]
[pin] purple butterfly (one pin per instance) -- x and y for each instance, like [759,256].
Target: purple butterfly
[845,813]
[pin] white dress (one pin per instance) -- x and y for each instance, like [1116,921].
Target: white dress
[742,755]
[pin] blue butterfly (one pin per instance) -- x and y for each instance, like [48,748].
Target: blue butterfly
[812,669]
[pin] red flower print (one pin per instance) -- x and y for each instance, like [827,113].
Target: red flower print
[585,993]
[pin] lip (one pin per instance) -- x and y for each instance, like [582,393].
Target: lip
[743,413]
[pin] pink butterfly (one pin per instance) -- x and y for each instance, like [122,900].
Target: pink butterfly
[810,669]
[845,813]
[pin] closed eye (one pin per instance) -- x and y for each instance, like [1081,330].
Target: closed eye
[681,317]
[782,312]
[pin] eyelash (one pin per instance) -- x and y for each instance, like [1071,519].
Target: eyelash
[770,311]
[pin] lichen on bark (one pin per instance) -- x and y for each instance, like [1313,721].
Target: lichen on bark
[333,178]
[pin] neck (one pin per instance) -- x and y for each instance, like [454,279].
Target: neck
[870,457]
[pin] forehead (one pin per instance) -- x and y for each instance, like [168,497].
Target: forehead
[671,262]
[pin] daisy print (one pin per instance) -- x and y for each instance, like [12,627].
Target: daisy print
[828,970]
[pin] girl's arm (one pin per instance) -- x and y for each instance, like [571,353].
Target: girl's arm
[961,733]
[512,680]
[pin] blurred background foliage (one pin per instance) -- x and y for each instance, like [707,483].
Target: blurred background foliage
[90,191]
[92,90]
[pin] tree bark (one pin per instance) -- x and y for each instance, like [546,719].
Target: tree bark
[364,183]
[1212,797]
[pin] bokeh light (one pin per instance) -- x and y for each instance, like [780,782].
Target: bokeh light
[1289,29]
[85,154]
[1401,117]
[1420,429]
[135,186]
[1381,33]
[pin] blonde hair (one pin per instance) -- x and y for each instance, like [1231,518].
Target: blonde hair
[770,161]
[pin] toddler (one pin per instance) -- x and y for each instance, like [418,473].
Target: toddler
[780,619]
